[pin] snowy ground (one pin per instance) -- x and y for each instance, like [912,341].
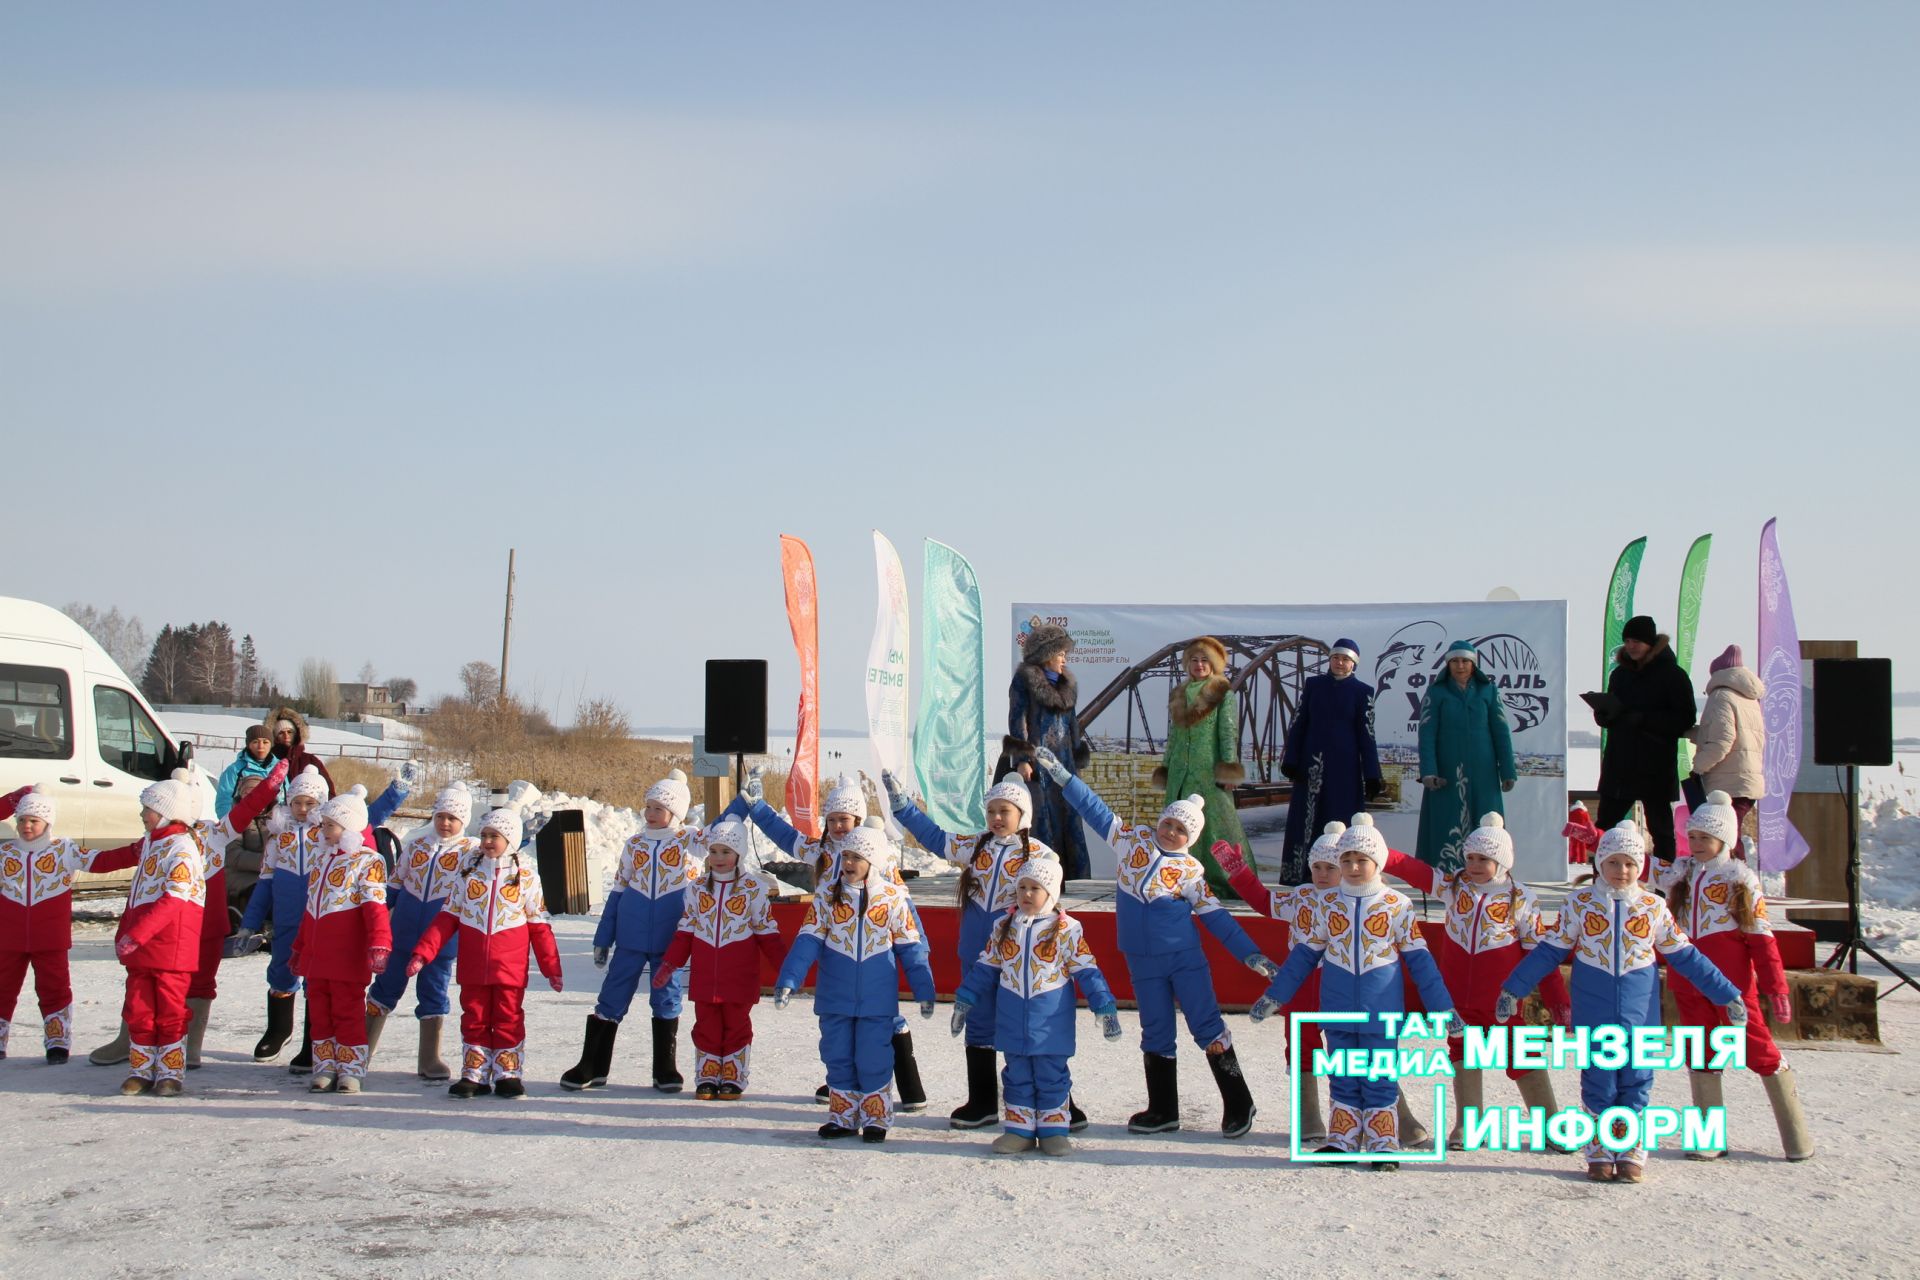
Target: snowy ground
[249,1175]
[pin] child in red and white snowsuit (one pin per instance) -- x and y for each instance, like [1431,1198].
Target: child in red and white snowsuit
[159,939]
[1295,904]
[726,929]
[1716,899]
[36,914]
[497,908]
[344,940]
[1492,921]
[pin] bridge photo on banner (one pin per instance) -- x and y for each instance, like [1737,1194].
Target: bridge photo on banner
[1127,660]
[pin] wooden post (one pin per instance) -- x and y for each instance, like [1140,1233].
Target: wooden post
[716,794]
[506,628]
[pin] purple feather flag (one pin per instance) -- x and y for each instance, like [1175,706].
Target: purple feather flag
[1780,846]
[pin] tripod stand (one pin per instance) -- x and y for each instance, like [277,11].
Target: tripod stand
[1853,945]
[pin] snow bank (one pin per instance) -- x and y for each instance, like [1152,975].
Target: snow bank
[1890,866]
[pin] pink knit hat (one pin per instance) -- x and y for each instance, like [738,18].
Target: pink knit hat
[1729,657]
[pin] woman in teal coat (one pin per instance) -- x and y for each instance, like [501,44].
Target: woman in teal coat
[1203,754]
[1466,757]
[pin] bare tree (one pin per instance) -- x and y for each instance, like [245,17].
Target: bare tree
[481,680]
[318,687]
[601,719]
[401,689]
[368,672]
[121,635]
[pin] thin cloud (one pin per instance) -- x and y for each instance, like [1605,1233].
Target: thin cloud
[153,191]
[1734,286]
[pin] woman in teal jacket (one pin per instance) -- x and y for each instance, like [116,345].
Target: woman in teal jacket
[1466,757]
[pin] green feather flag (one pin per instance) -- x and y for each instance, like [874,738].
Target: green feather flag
[1686,627]
[1626,575]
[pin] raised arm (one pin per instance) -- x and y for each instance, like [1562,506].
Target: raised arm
[1415,872]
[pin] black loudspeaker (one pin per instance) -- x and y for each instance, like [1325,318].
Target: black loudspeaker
[737,706]
[1853,711]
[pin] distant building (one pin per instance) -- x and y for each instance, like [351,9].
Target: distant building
[368,700]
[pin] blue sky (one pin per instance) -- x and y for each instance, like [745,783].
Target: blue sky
[305,318]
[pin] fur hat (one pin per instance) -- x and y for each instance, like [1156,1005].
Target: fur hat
[309,782]
[1346,648]
[1044,641]
[36,804]
[1015,793]
[507,822]
[729,833]
[1463,649]
[1730,657]
[1327,847]
[1048,874]
[1640,627]
[1210,649]
[1362,836]
[1190,813]
[1623,841]
[456,800]
[172,798]
[672,792]
[1717,818]
[1491,840]
[259,733]
[846,796]
[349,809]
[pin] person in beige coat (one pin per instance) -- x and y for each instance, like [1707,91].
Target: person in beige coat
[1730,742]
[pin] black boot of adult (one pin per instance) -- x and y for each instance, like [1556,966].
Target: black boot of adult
[666,1037]
[982,1106]
[1237,1119]
[596,1056]
[1163,1097]
[279,1027]
[906,1076]
[302,1062]
[1076,1118]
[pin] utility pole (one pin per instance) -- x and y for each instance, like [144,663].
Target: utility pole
[506,628]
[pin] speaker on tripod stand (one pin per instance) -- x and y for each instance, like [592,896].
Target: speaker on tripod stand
[1852,727]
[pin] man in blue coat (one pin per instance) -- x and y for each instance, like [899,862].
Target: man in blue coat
[1330,756]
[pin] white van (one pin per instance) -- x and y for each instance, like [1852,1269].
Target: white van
[72,722]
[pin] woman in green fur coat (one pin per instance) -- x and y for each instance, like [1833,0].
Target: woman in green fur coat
[1466,757]
[1203,754]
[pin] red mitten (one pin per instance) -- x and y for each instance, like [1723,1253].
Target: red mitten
[661,977]
[554,983]
[1781,1007]
[415,965]
[1562,1015]
[125,947]
[377,958]
[11,801]
[1228,856]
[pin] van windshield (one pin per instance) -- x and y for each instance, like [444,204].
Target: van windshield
[36,713]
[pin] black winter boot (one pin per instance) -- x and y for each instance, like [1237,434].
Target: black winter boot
[279,1027]
[1237,1120]
[1163,1097]
[302,1061]
[666,1075]
[906,1076]
[982,1106]
[1076,1118]
[596,1056]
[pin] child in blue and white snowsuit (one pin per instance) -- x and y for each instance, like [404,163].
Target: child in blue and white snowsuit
[844,810]
[427,869]
[637,924]
[294,848]
[1613,929]
[1034,958]
[1364,931]
[1162,889]
[989,865]
[859,930]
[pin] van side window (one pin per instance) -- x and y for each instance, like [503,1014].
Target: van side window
[36,713]
[129,740]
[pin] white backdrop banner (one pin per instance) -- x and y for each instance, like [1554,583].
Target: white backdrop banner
[1130,652]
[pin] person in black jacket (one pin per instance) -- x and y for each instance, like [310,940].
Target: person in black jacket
[1647,708]
[1042,711]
